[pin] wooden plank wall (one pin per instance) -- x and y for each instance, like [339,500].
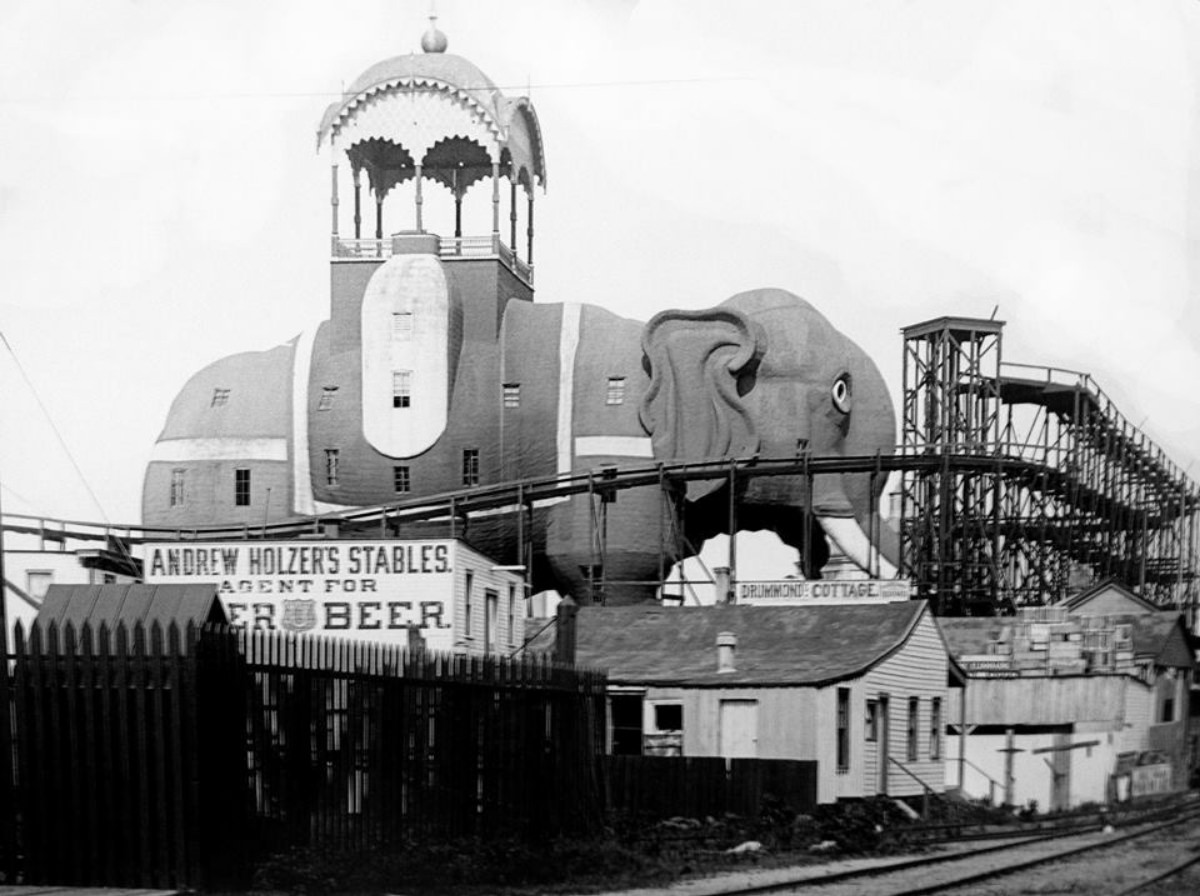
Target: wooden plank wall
[655,787]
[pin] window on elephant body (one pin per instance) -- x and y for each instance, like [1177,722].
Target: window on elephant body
[402,325]
[328,394]
[512,395]
[616,390]
[241,488]
[470,466]
[331,466]
[177,488]
[220,398]
[401,388]
[401,480]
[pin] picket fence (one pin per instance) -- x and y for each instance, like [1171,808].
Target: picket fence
[144,756]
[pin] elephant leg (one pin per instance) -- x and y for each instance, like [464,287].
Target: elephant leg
[814,551]
[610,552]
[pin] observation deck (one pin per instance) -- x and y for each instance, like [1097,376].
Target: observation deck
[460,248]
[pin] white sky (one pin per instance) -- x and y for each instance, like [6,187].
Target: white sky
[162,205]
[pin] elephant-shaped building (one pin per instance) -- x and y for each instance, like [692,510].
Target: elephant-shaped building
[437,371]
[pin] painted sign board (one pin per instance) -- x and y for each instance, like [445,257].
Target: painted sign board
[1149,780]
[365,590]
[792,592]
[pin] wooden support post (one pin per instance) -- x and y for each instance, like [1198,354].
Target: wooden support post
[419,200]
[357,204]
[333,198]
[512,212]
[496,201]
[529,230]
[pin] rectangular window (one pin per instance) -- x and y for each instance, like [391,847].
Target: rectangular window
[402,324]
[241,488]
[1168,710]
[401,388]
[220,398]
[512,395]
[935,728]
[328,394]
[401,480]
[616,390]
[467,599]
[625,714]
[872,720]
[36,583]
[470,466]
[177,488]
[331,466]
[668,716]
[914,714]
[491,621]
[843,730]
[512,615]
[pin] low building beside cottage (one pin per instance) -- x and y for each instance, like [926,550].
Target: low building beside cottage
[1061,708]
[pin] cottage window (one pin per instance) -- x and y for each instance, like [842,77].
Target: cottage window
[401,388]
[626,715]
[935,728]
[328,394]
[512,613]
[616,390]
[468,586]
[914,714]
[331,466]
[177,488]
[401,480]
[843,730]
[668,717]
[1168,710]
[512,395]
[470,466]
[872,720]
[241,488]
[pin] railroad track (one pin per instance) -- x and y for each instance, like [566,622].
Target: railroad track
[924,875]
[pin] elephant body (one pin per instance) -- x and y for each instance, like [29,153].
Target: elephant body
[424,382]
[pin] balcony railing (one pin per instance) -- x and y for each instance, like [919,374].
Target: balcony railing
[449,249]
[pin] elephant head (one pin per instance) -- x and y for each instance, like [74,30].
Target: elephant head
[764,374]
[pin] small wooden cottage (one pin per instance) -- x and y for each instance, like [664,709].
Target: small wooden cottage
[859,689]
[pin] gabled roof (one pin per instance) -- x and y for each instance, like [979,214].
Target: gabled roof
[1077,603]
[129,604]
[775,645]
[1161,636]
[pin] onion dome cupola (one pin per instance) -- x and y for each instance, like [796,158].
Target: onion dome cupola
[434,117]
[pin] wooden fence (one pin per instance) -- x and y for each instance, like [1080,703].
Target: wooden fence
[151,757]
[700,786]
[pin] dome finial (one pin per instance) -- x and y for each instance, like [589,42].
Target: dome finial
[433,40]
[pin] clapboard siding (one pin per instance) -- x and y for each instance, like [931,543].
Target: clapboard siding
[918,669]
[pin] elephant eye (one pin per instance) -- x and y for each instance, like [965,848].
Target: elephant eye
[841,393]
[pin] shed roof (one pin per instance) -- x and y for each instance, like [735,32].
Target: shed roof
[775,645]
[129,604]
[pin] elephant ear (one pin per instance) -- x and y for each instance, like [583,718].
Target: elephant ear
[700,364]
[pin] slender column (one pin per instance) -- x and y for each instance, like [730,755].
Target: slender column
[333,198]
[357,204]
[378,216]
[457,206]
[496,200]
[529,230]
[512,214]
[420,200]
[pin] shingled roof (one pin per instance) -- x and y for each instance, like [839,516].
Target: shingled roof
[776,646]
[130,604]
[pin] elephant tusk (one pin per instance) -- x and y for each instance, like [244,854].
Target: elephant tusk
[853,542]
